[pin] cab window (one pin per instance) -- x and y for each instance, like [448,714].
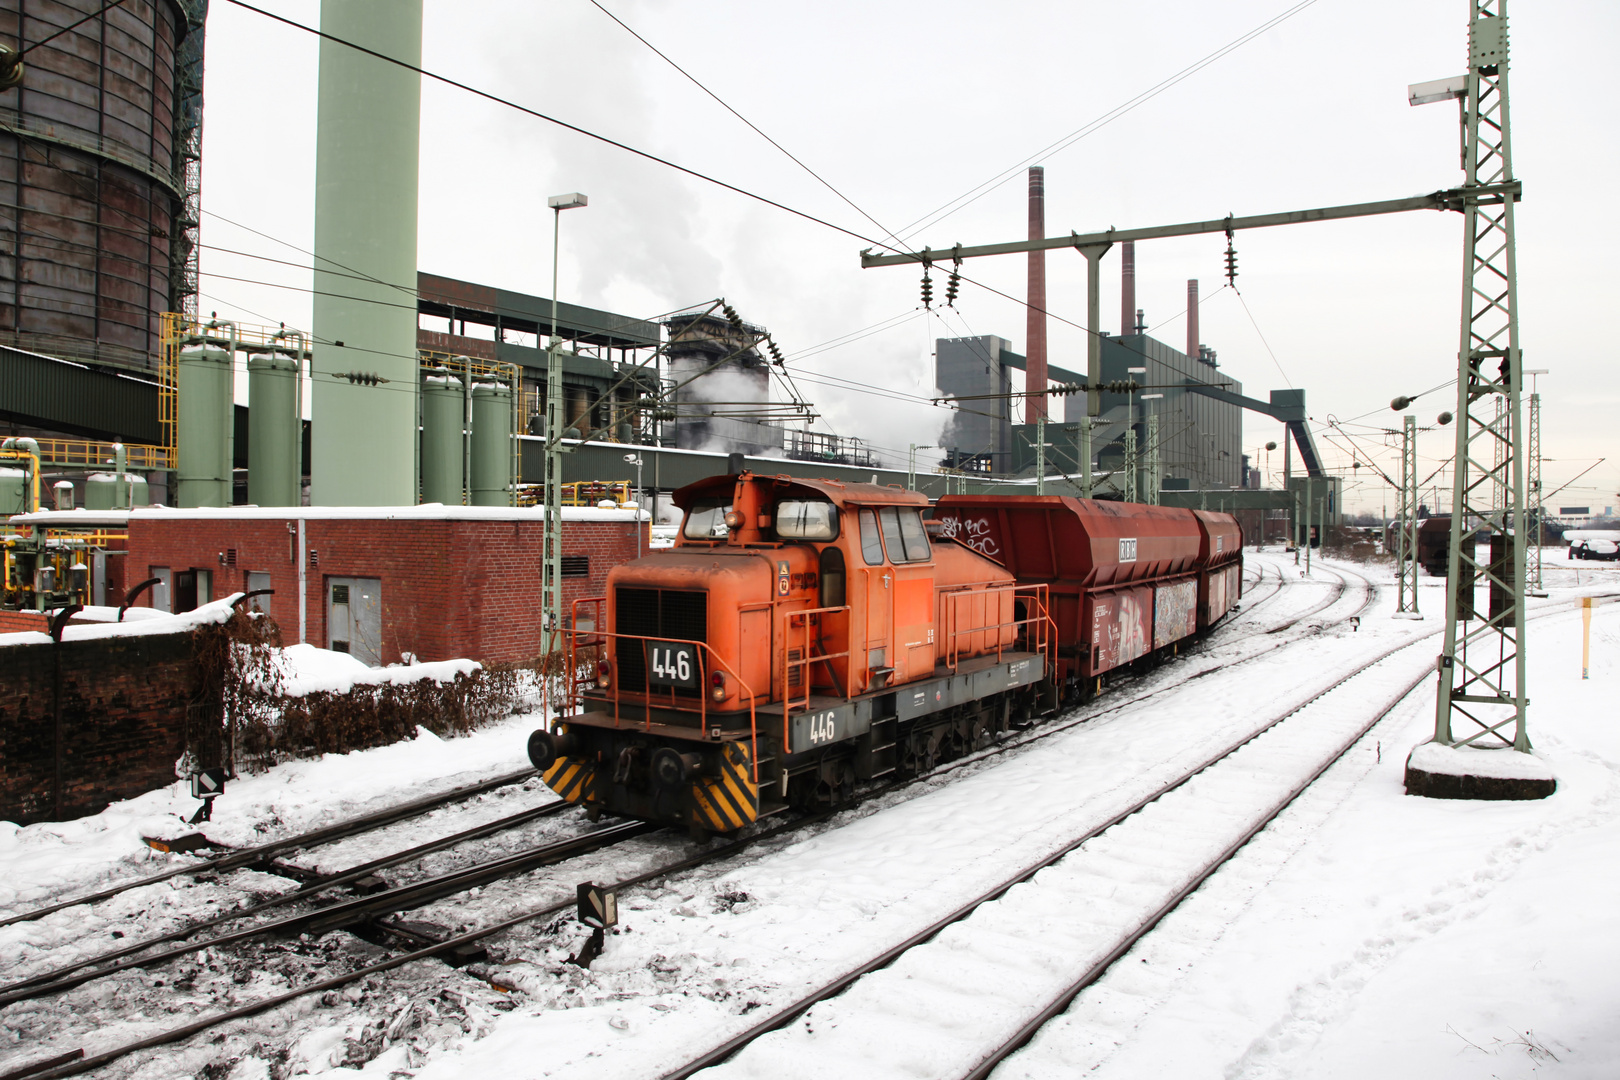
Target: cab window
[914,536]
[889,518]
[871,545]
[707,520]
[806,519]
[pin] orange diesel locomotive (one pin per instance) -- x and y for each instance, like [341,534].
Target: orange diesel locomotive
[802,635]
[806,634]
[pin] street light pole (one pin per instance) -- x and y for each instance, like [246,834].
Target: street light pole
[911,464]
[635,459]
[551,560]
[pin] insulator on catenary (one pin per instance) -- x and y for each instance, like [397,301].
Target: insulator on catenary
[731,316]
[952,287]
[927,291]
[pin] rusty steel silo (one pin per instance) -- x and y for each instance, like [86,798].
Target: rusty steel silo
[99,161]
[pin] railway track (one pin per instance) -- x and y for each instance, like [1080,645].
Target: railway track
[363,912]
[265,855]
[351,913]
[1047,932]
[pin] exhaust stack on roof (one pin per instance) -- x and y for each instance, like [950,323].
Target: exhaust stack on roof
[1127,287]
[1192,318]
[1035,323]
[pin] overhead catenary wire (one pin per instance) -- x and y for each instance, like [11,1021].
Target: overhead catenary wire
[725,105]
[70,26]
[977,192]
[509,103]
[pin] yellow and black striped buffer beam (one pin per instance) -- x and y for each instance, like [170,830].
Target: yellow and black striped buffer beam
[567,777]
[727,802]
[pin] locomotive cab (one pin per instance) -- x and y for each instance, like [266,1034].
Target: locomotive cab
[801,635]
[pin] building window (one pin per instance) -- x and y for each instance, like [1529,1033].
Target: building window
[576,566]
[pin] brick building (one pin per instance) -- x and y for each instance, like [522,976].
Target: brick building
[437,582]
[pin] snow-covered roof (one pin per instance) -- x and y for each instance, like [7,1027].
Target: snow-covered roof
[138,622]
[79,518]
[425,512]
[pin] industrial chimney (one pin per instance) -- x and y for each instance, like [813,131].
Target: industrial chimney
[1192,318]
[1127,287]
[1035,320]
[367,139]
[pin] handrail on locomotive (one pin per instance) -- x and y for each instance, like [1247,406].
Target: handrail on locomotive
[597,638]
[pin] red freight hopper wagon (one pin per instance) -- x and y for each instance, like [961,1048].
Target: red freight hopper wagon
[1125,579]
[1220,566]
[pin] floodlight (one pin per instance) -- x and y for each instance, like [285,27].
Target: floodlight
[1425,93]
[567,202]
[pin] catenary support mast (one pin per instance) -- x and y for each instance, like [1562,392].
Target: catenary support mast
[1481,699]
[1406,531]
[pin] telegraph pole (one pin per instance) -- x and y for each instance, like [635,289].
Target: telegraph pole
[1481,696]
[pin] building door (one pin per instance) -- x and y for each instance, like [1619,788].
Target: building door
[162,592]
[255,582]
[873,652]
[354,618]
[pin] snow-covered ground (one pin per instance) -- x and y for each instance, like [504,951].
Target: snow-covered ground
[1364,933]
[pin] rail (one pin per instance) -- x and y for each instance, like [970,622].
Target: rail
[595,638]
[87,454]
[1037,626]
[802,621]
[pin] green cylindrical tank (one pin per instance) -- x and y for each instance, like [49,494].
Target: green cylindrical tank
[491,444]
[275,431]
[207,426]
[101,492]
[443,414]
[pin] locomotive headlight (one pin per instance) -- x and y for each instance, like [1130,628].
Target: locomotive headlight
[734,519]
[717,682]
[604,674]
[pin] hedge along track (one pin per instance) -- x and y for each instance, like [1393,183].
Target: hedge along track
[1002,934]
[262,854]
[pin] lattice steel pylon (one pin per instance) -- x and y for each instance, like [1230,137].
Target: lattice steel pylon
[1130,465]
[1481,697]
[1406,531]
[1155,461]
[1533,491]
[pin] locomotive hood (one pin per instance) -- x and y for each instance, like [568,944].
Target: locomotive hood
[835,491]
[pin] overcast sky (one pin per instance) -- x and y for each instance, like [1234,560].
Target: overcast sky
[903,107]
